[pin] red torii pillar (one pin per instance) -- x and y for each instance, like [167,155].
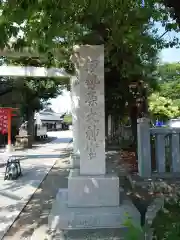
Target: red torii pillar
[9,123]
[10,115]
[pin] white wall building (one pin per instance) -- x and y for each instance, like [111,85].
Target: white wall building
[51,119]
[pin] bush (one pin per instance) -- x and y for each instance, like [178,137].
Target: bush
[134,232]
[166,224]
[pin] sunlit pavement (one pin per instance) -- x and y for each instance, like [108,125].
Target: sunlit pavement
[61,140]
[60,134]
[35,166]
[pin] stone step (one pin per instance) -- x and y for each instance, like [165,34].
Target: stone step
[77,218]
[93,191]
[82,234]
[90,234]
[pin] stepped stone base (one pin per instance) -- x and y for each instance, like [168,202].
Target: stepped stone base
[91,234]
[85,234]
[92,191]
[63,217]
[75,160]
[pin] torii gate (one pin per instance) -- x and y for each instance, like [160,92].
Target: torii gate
[29,71]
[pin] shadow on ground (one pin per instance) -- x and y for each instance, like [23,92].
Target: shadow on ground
[37,210]
[23,157]
[141,197]
[35,214]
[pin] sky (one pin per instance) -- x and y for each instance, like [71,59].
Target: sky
[169,54]
[62,103]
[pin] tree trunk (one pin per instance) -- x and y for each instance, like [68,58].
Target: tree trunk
[133,116]
[30,126]
[144,108]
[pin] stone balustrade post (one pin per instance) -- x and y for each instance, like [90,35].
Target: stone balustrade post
[144,147]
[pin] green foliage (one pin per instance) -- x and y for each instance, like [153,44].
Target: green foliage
[162,108]
[170,81]
[68,119]
[49,24]
[171,89]
[169,72]
[126,29]
[6,85]
[166,224]
[134,232]
[166,103]
[174,6]
[36,90]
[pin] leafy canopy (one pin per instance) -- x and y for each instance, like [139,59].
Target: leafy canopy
[170,81]
[124,27]
[162,108]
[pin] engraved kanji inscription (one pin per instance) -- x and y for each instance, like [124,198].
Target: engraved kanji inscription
[92,153]
[91,65]
[92,116]
[91,98]
[91,81]
[91,149]
[92,133]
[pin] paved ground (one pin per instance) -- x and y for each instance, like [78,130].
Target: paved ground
[14,195]
[32,223]
[33,218]
[61,140]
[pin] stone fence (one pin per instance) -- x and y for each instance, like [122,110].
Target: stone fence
[158,150]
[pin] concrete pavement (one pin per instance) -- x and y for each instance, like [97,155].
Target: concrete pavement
[36,164]
[62,138]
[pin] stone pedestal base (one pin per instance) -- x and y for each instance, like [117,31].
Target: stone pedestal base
[75,160]
[91,234]
[24,141]
[63,217]
[92,191]
[9,148]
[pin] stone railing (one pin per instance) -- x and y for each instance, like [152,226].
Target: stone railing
[159,147]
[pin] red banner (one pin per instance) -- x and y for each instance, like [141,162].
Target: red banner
[3,120]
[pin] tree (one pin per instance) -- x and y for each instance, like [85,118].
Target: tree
[175,9]
[162,108]
[124,27]
[33,92]
[171,89]
[169,72]
[6,86]
[169,83]
[165,103]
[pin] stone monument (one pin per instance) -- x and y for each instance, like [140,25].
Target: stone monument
[92,200]
[75,88]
